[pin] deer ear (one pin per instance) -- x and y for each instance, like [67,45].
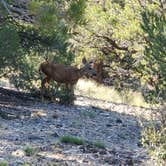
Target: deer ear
[84,61]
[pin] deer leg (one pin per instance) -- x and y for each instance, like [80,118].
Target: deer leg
[72,89]
[44,86]
[67,87]
[72,93]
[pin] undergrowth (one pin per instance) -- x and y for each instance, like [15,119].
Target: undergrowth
[154,135]
[79,141]
[72,140]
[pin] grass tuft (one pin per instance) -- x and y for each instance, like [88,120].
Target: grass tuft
[99,145]
[29,151]
[3,163]
[72,140]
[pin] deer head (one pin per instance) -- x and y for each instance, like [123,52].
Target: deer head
[88,69]
[99,67]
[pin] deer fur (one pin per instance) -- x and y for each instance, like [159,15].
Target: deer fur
[101,73]
[68,75]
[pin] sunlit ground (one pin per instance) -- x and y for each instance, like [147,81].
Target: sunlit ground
[91,89]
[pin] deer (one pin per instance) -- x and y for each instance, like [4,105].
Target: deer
[62,74]
[101,73]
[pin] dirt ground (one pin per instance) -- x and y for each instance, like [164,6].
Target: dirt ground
[25,122]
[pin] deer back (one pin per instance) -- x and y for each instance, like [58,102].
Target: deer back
[60,72]
[65,74]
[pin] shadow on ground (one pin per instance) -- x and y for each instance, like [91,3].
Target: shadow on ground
[26,122]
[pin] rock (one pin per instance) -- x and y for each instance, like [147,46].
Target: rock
[102,152]
[85,161]
[18,153]
[111,160]
[55,134]
[59,125]
[34,137]
[109,125]
[129,161]
[118,120]
[96,155]
[139,144]
[55,115]
[113,151]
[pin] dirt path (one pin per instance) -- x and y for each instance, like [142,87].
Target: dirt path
[32,124]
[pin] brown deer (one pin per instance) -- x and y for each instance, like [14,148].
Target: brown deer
[68,75]
[101,73]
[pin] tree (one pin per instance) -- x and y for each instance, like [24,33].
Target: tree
[154,63]
[42,28]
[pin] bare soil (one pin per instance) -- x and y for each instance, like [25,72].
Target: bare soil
[27,122]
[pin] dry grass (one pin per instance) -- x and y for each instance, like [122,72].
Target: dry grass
[91,89]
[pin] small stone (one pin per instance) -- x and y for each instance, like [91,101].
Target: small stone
[96,155]
[59,125]
[55,115]
[118,120]
[93,150]
[108,125]
[112,161]
[124,125]
[18,153]
[34,137]
[85,161]
[55,134]
[102,152]
[113,151]
[139,144]
[129,162]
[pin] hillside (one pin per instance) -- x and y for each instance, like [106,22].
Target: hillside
[30,132]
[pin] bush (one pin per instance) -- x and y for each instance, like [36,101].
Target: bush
[29,151]
[154,136]
[72,140]
[98,145]
[3,163]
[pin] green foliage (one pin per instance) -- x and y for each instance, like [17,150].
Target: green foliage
[26,164]
[9,46]
[155,141]
[29,151]
[154,135]
[113,35]
[98,145]
[79,141]
[124,34]
[27,77]
[72,140]
[121,3]
[154,64]
[66,97]
[3,163]
[76,11]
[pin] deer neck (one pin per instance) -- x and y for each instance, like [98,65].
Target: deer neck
[82,72]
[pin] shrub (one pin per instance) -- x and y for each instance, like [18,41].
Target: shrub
[72,140]
[29,151]
[99,145]
[3,163]
[154,136]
